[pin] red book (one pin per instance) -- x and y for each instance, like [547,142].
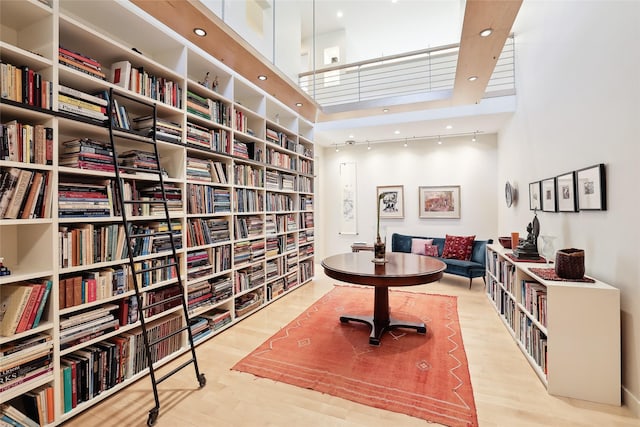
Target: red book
[32,316]
[92,290]
[79,57]
[36,293]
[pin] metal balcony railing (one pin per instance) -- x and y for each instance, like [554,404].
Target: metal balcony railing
[425,72]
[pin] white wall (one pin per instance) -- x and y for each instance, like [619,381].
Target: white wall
[578,91]
[458,161]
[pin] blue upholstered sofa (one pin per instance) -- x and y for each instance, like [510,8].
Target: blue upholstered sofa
[475,267]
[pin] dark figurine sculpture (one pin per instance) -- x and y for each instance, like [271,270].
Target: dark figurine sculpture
[528,248]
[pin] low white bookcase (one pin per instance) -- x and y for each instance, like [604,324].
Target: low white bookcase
[568,331]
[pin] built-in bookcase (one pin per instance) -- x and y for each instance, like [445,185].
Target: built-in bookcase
[238,167]
[569,332]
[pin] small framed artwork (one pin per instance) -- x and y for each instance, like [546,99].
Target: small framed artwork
[566,192]
[534,196]
[548,193]
[390,201]
[590,187]
[439,202]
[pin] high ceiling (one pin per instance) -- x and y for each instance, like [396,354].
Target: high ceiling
[464,111]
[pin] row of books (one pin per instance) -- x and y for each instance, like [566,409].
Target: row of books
[305,166]
[248,226]
[34,408]
[88,372]
[275,288]
[247,150]
[23,305]
[534,300]
[277,202]
[208,109]
[26,143]
[206,170]
[306,270]
[22,84]
[247,200]
[201,231]
[280,159]
[281,139]
[90,286]
[248,175]
[25,193]
[138,80]
[203,199]
[249,278]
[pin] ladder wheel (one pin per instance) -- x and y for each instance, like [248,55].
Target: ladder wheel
[202,380]
[153,416]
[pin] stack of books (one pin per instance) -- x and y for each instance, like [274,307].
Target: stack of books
[25,360]
[199,136]
[138,159]
[80,62]
[87,153]
[84,326]
[199,105]
[81,104]
[198,264]
[79,200]
[217,318]
[199,295]
[164,130]
[222,289]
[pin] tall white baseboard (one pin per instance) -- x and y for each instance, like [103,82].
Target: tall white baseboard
[631,402]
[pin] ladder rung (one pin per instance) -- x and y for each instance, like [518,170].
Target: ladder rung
[157,233]
[164,301]
[174,370]
[160,267]
[143,170]
[166,337]
[159,201]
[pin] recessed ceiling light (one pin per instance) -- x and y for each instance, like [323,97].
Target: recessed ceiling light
[298,104]
[486,32]
[385,110]
[262,77]
[351,136]
[473,78]
[449,127]
[200,32]
[339,14]
[397,132]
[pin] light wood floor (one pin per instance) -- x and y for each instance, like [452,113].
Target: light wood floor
[506,390]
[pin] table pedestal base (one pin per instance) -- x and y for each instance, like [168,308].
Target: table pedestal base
[378,328]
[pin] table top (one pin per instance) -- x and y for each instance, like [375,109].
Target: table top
[401,269]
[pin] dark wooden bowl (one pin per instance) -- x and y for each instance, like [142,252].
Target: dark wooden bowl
[505,242]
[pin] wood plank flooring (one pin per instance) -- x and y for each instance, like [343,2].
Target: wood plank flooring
[506,390]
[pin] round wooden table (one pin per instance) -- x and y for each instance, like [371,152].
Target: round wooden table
[401,269]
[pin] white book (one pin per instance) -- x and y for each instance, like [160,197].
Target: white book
[121,73]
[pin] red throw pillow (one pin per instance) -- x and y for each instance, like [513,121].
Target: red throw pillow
[430,250]
[458,247]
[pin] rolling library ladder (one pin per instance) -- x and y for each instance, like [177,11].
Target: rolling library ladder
[143,161]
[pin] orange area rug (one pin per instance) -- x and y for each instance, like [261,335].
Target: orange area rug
[425,376]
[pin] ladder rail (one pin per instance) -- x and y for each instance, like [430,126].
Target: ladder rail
[130,237]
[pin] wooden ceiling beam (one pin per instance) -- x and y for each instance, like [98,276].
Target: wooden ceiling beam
[478,55]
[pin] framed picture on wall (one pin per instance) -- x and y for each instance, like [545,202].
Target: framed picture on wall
[534,196]
[391,204]
[566,192]
[590,187]
[548,193]
[439,202]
